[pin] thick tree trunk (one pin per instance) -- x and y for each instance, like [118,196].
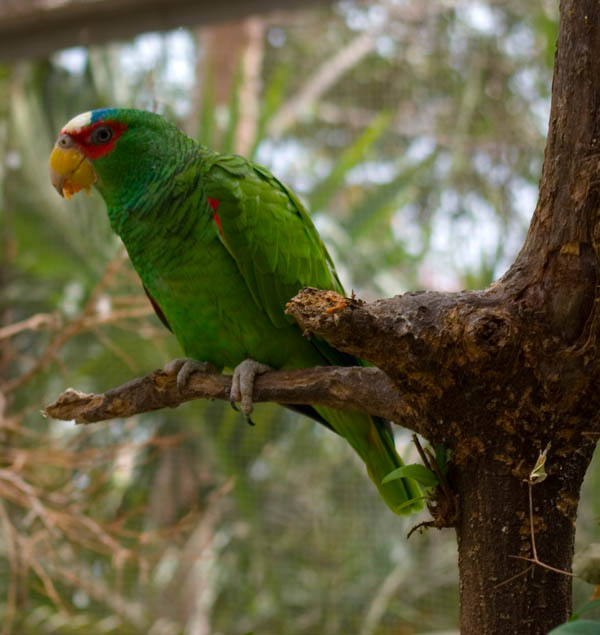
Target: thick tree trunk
[494,524]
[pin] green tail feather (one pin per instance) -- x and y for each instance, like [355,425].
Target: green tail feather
[373,442]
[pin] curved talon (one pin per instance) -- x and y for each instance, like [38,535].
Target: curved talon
[242,384]
[246,418]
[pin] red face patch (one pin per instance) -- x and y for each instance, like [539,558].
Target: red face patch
[92,147]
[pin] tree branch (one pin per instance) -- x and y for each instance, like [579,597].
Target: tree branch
[345,388]
[415,335]
[37,29]
[423,341]
[325,77]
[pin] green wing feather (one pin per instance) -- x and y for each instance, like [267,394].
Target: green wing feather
[269,234]
[278,251]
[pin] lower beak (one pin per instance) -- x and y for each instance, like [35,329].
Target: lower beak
[70,171]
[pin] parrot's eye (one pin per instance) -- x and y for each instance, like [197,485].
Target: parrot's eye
[102,134]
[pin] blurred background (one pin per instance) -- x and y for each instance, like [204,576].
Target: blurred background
[414,132]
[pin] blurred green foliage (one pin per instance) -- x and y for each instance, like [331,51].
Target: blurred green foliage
[420,163]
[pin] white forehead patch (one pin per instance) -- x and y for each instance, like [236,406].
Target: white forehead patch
[79,122]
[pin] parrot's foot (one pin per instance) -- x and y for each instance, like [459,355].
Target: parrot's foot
[242,385]
[184,367]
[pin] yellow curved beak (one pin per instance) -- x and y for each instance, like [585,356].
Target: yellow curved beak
[70,171]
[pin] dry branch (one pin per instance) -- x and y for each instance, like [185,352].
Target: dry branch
[322,81]
[345,388]
[33,323]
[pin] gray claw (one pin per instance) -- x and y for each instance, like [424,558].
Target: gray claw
[246,418]
[242,384]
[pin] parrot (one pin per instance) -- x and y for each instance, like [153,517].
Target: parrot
[220,246]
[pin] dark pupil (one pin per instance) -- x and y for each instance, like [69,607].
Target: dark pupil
[101,135]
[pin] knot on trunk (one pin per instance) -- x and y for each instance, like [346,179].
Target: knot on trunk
[487,334]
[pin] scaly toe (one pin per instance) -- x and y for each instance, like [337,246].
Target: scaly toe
[184,367]
[242,384]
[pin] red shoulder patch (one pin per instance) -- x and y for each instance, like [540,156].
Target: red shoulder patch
[214,205]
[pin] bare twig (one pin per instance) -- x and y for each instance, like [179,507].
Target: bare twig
[421,452]
[427,524]
[435,468]
[11,553]
[537,475]
[445,509]
[542,564]
[347,388]
[33,323]
[514,577]
[531,527]
[49,587]
[535,559]
[87,320]
[326,76]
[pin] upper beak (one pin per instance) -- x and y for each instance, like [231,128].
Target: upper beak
[56,179]
[70,171]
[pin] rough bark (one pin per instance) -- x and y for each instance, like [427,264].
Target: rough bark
[498,374]
[344,388]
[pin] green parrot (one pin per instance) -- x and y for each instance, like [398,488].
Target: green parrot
[220,246]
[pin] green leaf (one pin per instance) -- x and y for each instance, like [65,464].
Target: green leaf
[538,474]
[409,503]
[588,606]
[416,471]
[581,627]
